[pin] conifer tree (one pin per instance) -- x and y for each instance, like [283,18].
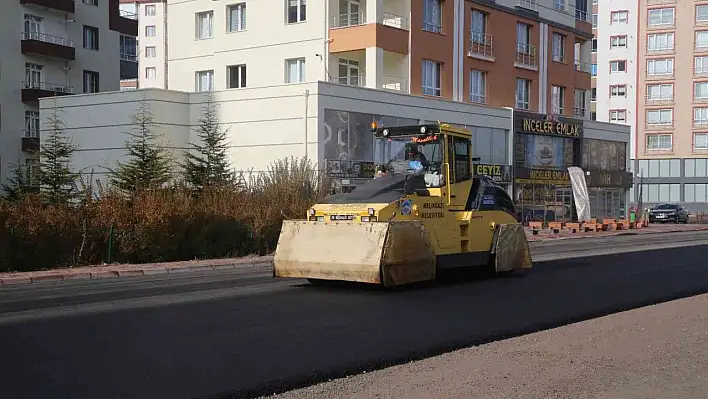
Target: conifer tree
[56,179]
[16,185]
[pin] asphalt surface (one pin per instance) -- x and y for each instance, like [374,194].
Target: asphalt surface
[241,333]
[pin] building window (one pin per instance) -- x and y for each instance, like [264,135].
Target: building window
[700,141]
[297,11]
[128,48]
[702,14]
[664,66]
[432,15]
[295,70]
[593,69]
[150,31]
[594,20]
[150,73]
[660,42]
[32,124]
[618,91]
[237,76]
[557,99]
[618,42]
[594,45]
[618,66]
[661,17]
[579,99]
[150,52]
[593,94]
[523,93]
[700,90]
[659,142]
[150,10]
[659,117]
[33,76]
[696,168]
[660,92]
[593,116]
[431,78]
[90,2]
[90,38]
[205,25]
[478,86]
[619,17]
[700,117]
[237,17]
[558,47]
[618,116]
[695,192]
[204,81]
[90,82]
[700,65]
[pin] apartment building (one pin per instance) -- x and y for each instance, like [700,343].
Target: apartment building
[593,65]
[453,49]
[149,49]
[52,48]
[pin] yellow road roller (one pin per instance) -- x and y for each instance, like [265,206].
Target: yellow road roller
[423,212]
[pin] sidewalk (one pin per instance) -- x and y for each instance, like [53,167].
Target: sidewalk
[547,234]
[147,269]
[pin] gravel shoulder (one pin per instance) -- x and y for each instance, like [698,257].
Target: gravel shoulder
[659,351]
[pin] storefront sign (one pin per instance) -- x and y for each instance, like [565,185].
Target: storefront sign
[499,173]
[542,176]
[609,179]
[341,169]
[541,124]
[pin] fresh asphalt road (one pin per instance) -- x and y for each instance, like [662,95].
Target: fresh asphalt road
[241,333]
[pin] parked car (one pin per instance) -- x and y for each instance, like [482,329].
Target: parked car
[668,213]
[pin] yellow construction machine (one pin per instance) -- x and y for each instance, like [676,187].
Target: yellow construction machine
[425,211]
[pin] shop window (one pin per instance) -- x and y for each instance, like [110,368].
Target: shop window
[660,193]
[695,192]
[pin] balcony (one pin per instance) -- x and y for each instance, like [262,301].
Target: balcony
[658,100]
[700,71]
[393,83]
[657,50]
[34,43]
[66,6]
[33,91]
[526,57]
[30,143]
[581,66]
[660,76]
[387,71]
[481,46]
[660,126]
[121,21]
[357,31]
[128,15]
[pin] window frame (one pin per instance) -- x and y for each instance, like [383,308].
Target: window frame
[241,74]
[87,81]
[298,12]
[197,80]
[301,64]
[658,141]
[526,85]
[91,34]
[431,22]
[481,80]
[433,88]
[242,12]
[618,20]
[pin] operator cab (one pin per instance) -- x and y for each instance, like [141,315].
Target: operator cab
[418,152]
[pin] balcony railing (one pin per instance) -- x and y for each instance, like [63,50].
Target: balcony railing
[653,100]
[581,15]
[581,66]
[529,4]
[56,88]
[357,81]
[128,14]
[43,37]
[481,44]
[663,25]
[580,112]
[700,124]
[700,71]
[660,126]
[31,133]
[526,55]
[346,20]
[700,99]
[661,50]
[394,83]
[394,21]
[478,98]
[660,76]
[660,2]
[128,57]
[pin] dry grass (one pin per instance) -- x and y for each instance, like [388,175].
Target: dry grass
[158,226]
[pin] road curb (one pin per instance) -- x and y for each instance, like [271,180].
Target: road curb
[131,270]
[642,231]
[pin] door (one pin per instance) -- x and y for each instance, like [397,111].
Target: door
[33,76]
[33,27]
[349,13]
[349,73]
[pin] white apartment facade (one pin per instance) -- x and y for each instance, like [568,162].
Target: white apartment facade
[51,48]
[151,43]
[617,64]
